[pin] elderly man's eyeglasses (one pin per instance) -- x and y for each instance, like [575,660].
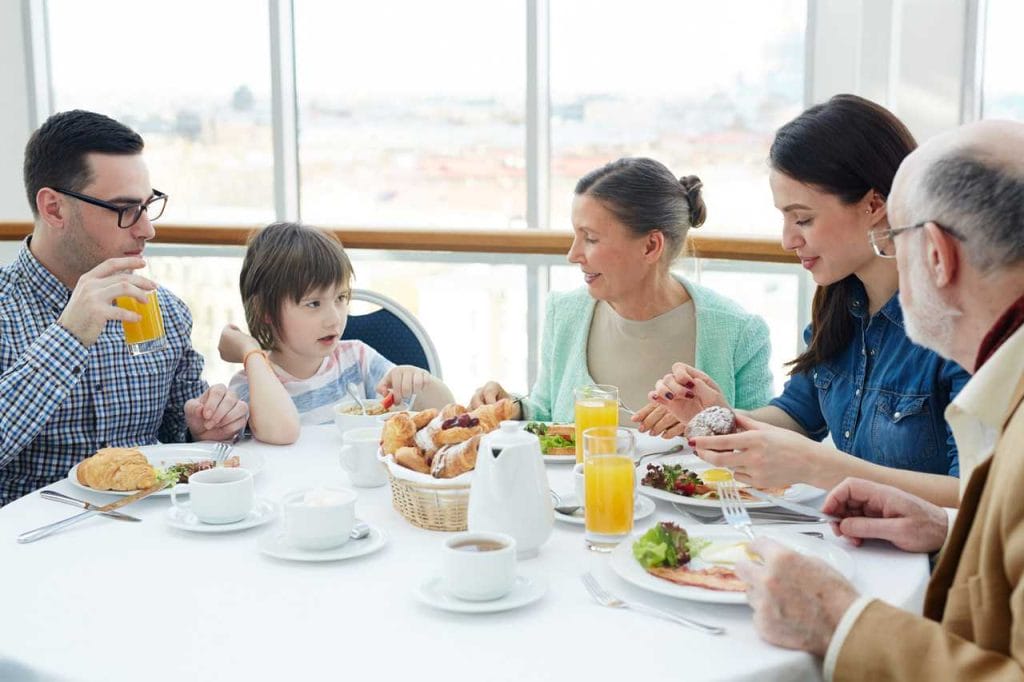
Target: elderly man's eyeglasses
[127,215]
[884,243]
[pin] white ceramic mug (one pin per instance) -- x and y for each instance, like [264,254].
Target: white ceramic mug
[359,457]
[479,566]
[218,495]
[319,518]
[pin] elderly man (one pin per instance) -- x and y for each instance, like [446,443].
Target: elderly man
[961,267]
[68,384]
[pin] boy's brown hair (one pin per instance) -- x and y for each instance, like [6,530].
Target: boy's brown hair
[286,261]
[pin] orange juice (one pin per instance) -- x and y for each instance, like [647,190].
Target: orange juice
[610,483]
[148,333]
[592,412]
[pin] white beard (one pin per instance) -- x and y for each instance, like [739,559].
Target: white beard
[930,320]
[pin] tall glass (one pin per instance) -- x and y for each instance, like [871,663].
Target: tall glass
[146,335]
[596,405]
[610,482]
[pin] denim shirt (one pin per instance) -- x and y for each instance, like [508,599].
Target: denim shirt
[882,397]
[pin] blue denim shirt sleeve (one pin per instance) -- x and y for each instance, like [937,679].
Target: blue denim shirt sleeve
[957,377]
[799,400]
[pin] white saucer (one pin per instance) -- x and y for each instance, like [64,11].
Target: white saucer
[525,591]
[276,545]
[182,518]
[642,508]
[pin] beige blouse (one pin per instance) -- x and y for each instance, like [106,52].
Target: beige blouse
[634,355]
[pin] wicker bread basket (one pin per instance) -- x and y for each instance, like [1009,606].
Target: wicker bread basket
[434,506]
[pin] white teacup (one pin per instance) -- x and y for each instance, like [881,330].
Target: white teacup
[218,495]
[580,488]
[479,566]
[359,457]
[319,518]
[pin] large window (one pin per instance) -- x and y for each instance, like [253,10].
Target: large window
[198,90]
[1002,87]
[412,113]
[700,86]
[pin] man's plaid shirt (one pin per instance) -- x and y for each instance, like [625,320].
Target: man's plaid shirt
[60,401]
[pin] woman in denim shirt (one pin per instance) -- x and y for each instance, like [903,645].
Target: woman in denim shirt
[861,379]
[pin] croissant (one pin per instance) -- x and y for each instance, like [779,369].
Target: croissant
[399,432]
[452,460]
[456,434]
[423,417]
[411,458]
[492,415]
[117,469]
[452,410]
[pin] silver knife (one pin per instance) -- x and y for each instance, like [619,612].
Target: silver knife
[55,496]
[804,509]
[42,532]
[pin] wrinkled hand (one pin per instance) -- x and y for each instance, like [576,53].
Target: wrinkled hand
[872,510]
[797,600]
[685,391]
[217,414]
[763,455]
[234,344]
[403,381]
[656,420]
[92,301]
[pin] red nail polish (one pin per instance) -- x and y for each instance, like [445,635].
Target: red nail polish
[670,396]
[689,394]
[692,442]
[689,384]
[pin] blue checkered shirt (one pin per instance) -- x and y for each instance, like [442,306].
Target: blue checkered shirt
[61,401]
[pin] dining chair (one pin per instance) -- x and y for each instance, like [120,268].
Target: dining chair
[394,332]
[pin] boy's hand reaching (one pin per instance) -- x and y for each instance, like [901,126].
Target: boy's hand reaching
[234,344]
[403,381]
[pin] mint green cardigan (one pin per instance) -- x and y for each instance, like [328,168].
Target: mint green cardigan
[732,347]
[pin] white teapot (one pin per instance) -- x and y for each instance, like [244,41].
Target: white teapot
[510,491]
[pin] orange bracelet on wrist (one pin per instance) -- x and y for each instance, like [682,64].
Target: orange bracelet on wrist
[245,358]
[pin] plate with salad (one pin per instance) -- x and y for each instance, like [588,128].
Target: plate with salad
[557,441]
[177,461]
[696,486]
[699,563]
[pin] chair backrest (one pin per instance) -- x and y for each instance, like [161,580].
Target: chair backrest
[393,332]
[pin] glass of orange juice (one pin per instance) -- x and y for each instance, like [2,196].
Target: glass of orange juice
[596,405]
[146,335]
[610,482]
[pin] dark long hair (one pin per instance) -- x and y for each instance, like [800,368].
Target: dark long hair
[644,195]
[846,147]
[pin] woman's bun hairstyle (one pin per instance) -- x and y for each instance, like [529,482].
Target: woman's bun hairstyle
[698,210]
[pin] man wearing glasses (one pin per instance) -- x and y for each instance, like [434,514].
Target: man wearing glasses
[68,385]
[961,271]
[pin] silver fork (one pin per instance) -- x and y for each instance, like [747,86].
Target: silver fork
[606,598]
[733,509]
[672,450]
[220,453]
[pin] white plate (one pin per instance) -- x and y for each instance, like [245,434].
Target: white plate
[276,545]
[182,518]
[798,492]
[629,569]
[559,459]
[643,508]
[525,591]
[165,454]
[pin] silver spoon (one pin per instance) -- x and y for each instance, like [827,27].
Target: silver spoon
[670,451]
[355,396]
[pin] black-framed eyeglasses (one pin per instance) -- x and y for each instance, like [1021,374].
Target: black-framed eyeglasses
[883,240]
[127,215]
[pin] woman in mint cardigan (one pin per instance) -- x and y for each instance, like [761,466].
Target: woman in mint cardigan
[635,318]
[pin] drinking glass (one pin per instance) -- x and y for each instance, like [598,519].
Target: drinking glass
[146,335]
[596,405]
[610,482]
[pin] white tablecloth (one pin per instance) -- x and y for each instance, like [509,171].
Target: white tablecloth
[108,600]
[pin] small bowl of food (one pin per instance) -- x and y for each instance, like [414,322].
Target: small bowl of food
[348,414]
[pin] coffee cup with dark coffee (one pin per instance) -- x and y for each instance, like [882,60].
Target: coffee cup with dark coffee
[479,566]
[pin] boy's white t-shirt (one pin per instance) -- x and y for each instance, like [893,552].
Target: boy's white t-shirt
[350,362]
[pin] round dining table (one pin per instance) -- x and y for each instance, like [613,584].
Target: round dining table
[107,600]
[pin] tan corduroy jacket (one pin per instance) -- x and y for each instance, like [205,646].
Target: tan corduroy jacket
[974,609]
